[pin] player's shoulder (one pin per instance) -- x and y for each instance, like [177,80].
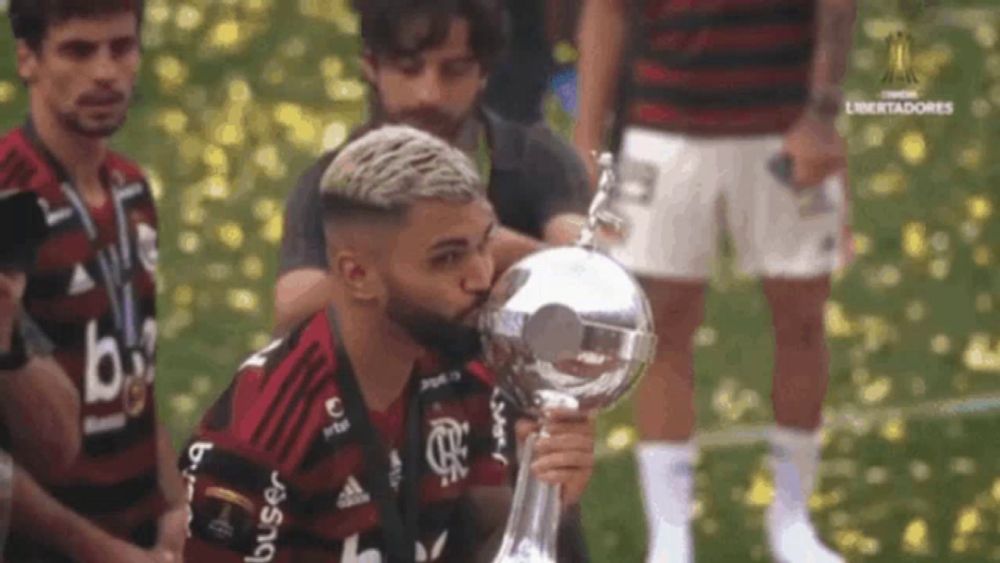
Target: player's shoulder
[21,165]
[270,392]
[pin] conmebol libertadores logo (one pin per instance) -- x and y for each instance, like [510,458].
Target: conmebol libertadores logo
[900,96]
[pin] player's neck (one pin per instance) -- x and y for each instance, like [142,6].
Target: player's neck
[81,156]
[383,363]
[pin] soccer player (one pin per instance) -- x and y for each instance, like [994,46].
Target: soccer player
[728,115]
[366,434]
[90,299]
[427,62]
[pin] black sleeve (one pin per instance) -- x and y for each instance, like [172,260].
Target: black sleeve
[303,244]
[558,178]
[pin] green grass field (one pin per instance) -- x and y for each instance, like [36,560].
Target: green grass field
[239,95]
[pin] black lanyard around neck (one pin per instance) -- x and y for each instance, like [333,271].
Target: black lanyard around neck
[115,263]
[400,524]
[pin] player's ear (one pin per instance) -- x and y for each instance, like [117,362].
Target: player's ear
[27,62]
[359,276]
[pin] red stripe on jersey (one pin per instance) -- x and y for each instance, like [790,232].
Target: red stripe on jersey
[653,74]
[68,248]
[715,121]
[91,304]
[482,372]
[727,39]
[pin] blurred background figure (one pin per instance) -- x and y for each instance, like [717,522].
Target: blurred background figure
[728,118]
[83,318]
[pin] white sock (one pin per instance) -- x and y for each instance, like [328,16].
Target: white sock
[666,473]
[795,462]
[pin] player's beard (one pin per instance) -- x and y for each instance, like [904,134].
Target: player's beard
[78,123]
[454,341]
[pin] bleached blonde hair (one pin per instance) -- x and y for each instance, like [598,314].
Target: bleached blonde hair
[394,166]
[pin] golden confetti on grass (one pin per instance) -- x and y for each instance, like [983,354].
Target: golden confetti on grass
[8,91]
[621,437]
[979,208]
[915,537]
[243,300]
[913,147]
[761,490]
[893,430]
[915,240]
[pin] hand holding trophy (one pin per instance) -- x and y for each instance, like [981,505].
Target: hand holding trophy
[564,328]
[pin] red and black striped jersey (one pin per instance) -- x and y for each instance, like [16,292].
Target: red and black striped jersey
[720,67]
[276,470]
[115,480]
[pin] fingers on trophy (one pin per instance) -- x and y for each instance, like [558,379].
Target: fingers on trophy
[565,328]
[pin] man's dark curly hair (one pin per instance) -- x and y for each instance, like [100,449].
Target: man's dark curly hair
[397,28]
[30,20]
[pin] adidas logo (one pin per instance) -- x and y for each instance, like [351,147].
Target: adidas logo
[81,282]
[352,495]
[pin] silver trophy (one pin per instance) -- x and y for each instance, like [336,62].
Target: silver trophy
[570,328]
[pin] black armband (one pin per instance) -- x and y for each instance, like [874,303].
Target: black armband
[17,357]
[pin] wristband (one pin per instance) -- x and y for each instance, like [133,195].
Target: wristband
[826,103]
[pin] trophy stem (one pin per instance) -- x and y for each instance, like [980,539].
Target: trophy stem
[530,535]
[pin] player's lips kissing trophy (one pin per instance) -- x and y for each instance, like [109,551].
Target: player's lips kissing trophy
[570,328]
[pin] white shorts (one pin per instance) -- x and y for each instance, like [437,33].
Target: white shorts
[677,192]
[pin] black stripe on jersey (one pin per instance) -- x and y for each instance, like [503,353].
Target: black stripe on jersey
[220,415]
[236,471]
[799,12]
[297,372]
[320,449]
[110,443]
[55,285]
[97,500]
[71,222]
[320,503]
[298,539]
[302,400]
[781,56]
[721,98]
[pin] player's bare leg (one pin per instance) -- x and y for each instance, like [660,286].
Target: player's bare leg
[801,374]
[665,418]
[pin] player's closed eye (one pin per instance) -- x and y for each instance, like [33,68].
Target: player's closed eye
[448,259]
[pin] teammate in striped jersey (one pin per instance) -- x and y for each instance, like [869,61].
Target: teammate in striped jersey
[728,111]
[366,434]
[89,304]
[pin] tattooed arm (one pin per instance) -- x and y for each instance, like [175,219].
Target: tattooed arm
[813,144]
[834,31]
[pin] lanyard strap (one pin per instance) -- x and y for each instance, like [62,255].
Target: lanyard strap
[115,269]
[399,524]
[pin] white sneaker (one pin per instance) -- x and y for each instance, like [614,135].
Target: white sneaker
[792,539]
[671,543]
